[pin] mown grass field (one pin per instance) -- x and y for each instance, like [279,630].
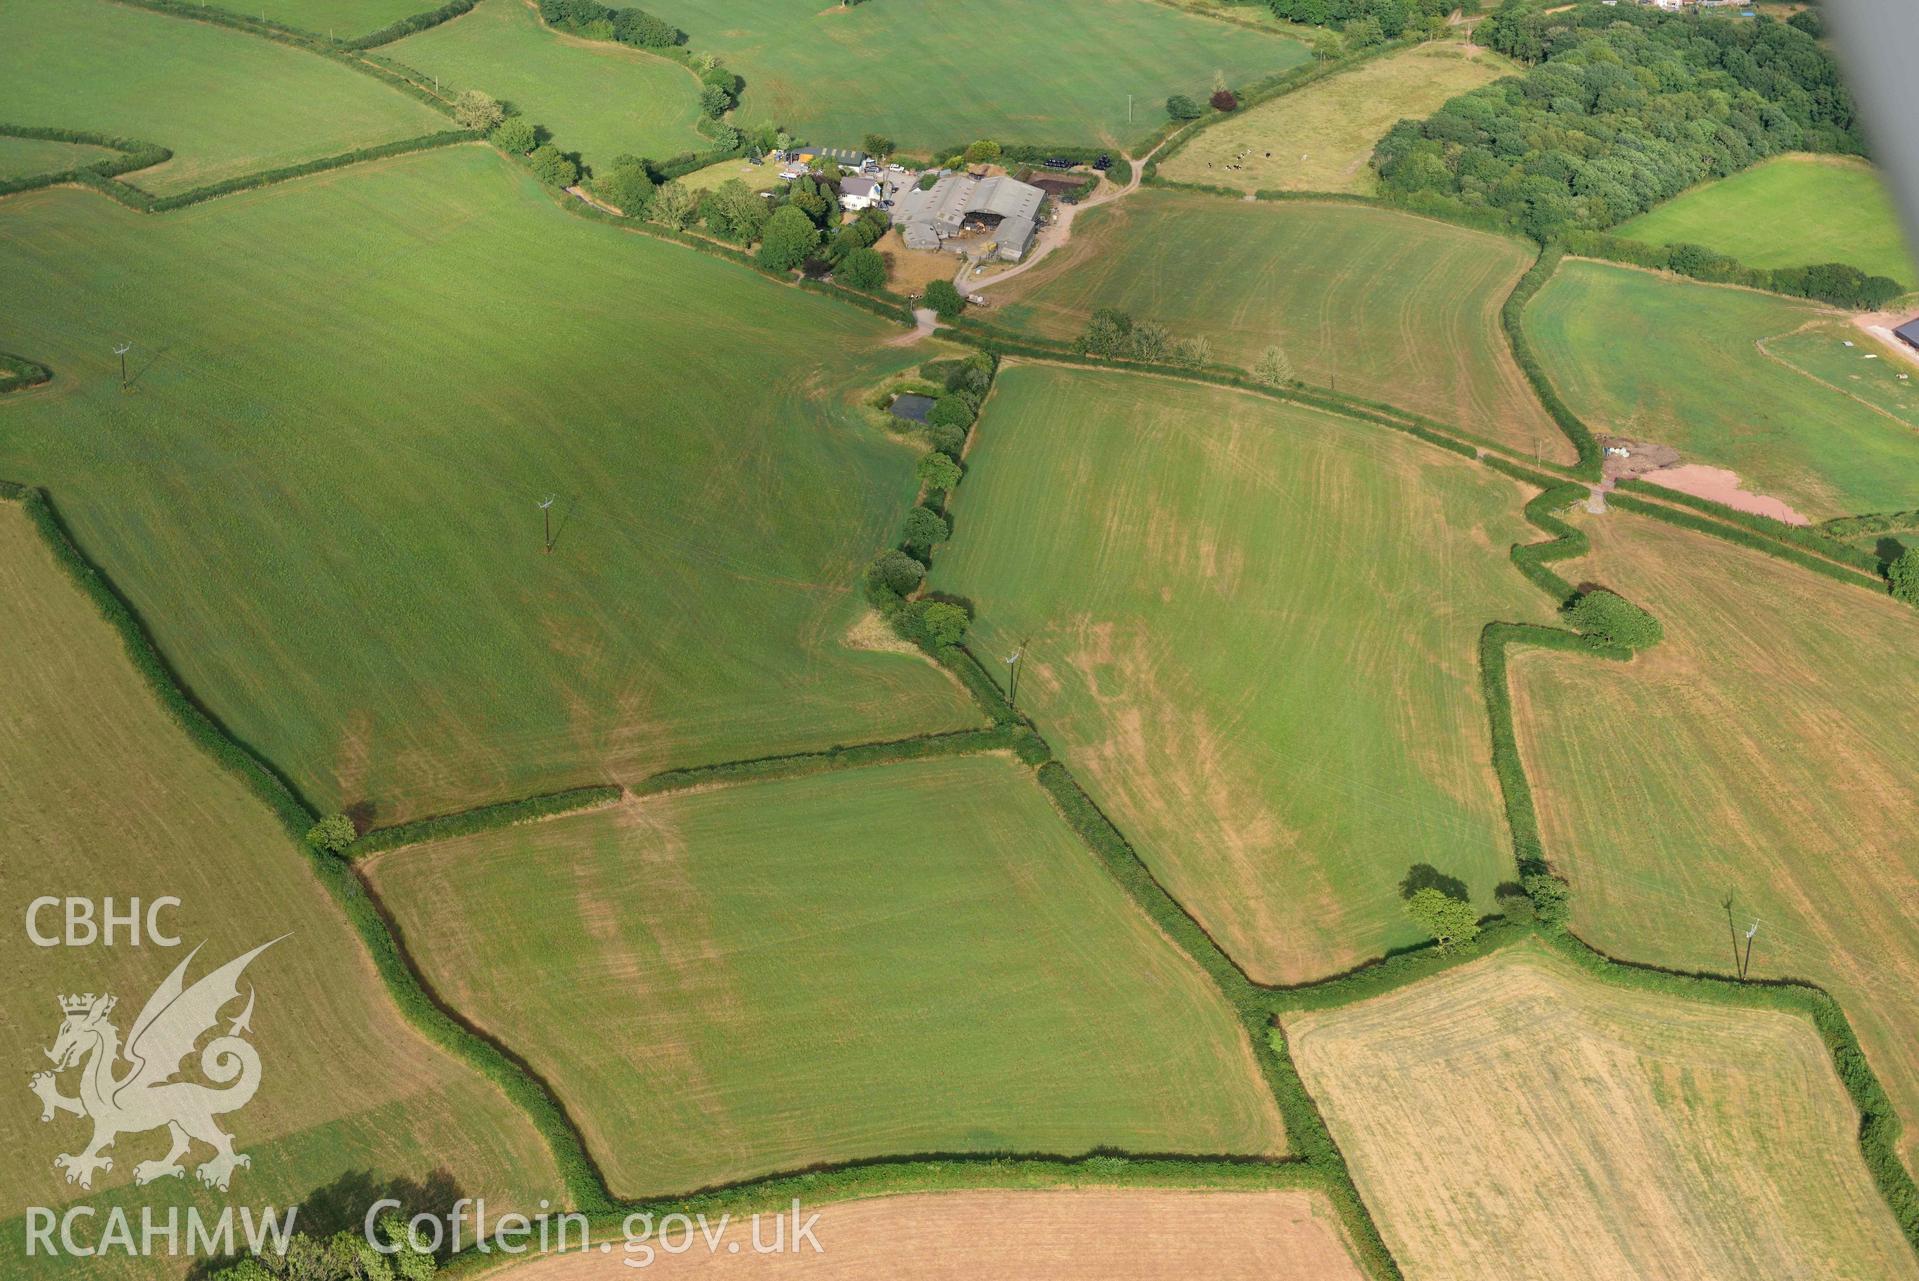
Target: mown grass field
[1765,749]
[906,958]
[940,75]
[1321,137]
[1381,304]
[598,98]
[226,103]
[25,157]
[1707,370]
[1141,1234]
[105,795]
[1252,634]
[344,18]
[321,493]
[1515,1118]
[1789,211]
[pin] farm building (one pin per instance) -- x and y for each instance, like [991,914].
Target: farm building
[1005,206]
[1908,333]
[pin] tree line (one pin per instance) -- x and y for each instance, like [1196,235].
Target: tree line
[1620,109]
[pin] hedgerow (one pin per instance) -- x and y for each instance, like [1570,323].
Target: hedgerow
[965,742]
[21,373]
[484,818]
[1834,282]
[135,198]
[134,154]
[1746,538]
[1816,539]
[1511,317]
[412,25]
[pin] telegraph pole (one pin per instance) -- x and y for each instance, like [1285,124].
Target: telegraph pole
[1013,663]
[1746,968]
[121,349]
[546,511]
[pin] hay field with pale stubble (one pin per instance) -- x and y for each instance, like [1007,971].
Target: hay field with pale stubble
[900,959]
[1516,1118]
[1765,748]
[1111,1234]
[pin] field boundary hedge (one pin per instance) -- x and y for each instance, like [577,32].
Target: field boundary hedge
[410,25]
[137,198]
[1708,266]
[22,373]
[485,818]
[134,154]
[1810,538]
[961,742]
[1511,318]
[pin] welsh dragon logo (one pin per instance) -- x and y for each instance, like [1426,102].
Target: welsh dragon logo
[145,1095]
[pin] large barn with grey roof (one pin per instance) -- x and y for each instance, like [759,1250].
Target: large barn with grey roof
[1006,205]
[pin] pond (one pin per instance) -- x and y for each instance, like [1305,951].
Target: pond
[911,407]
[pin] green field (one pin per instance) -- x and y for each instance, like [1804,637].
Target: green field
[104,795]
[1321,137]
[226,103]
[1252,634]
[1695,367]
[344,18]
[26,157]
[1765,749]
[598,98]
[940,75]
[1379,304]
[321,493]
[1517,1118]
[1790,211]
[905,958]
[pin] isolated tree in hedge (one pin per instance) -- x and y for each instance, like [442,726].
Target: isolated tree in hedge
[788,239]
[862,268]
[896,572]
[951,410]
[553,167]
[937,471]
[1449,920]
[947,439]
[715,101]
[924,528]
[1551,896]
[945,623]
[332,834]
[1610,618]
[1109,333]
[944,299]
[1902,576]
[516,135]
[674,205]
[1273,368]
[983,152]
[878,145]
[476,110]
[626,186]
[1224,100]
[1181,107]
